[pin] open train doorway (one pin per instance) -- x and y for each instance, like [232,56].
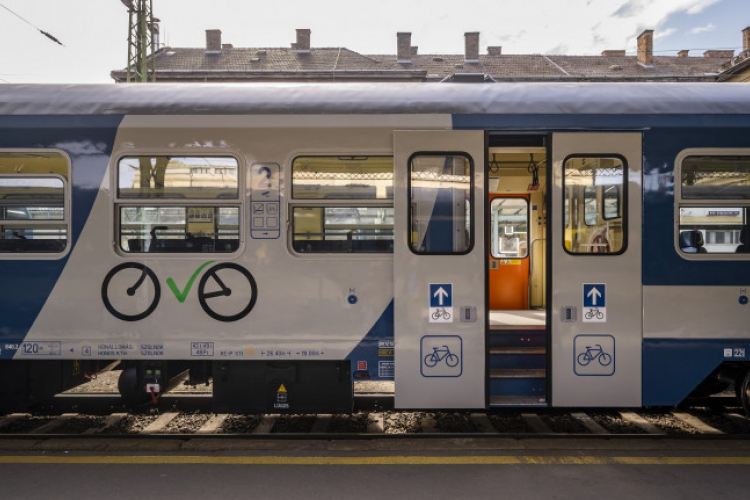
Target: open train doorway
[517,277]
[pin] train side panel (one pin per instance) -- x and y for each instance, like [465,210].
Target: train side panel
[314,306]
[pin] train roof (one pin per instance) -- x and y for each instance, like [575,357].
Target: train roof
[375,98]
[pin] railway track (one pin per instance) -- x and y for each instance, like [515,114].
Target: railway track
[94,409]
[188,415]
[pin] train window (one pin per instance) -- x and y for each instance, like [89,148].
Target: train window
[342,229]
[599,183]
[713,201]
[348,205]
[342,177]
[510,228]
[186,177]
[33,202]
[179,229]
[440,203]
[714,230]
[715,177]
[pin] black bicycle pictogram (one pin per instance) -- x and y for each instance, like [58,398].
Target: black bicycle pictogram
[594,312]
[439,354]
[213,286]
[441,312]
[592,353]
[142,291]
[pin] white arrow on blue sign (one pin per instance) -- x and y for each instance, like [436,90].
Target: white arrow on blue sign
[441,294]
[594,295]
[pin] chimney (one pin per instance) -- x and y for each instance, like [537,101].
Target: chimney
[213,41]
[404,47]
[303,41]
[746,39]
[613,53]
[724,54]
[646,48]
[683,53]
[471,40]
[495,50]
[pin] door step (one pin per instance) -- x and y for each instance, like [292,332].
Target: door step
[518,401]
[518,350]
[517,357]
[500,373]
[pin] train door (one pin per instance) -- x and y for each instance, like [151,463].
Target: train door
[439,269]
[596,320]
[518,337]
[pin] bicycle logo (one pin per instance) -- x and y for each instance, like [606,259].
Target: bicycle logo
[441,313]
[142,291]
[594,312]
[441,354]
[593,353]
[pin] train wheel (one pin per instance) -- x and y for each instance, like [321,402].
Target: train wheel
[742,388]
[127,385]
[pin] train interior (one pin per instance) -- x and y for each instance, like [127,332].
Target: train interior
[517,272]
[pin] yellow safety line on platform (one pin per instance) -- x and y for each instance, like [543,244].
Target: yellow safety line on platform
[393,460]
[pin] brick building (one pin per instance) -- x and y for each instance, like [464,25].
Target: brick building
[738,68]
[221,62]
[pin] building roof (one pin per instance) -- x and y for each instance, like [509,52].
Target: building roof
[530,67]
[342,64]
[737,67]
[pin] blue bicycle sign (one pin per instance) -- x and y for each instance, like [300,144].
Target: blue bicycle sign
[439,354]
[592,353]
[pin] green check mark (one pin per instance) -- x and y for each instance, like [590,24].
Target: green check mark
[182,295]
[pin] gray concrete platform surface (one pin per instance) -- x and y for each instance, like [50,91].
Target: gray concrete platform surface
[612,469]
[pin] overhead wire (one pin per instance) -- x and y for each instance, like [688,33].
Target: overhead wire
[48,35]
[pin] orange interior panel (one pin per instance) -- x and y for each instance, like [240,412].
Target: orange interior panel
[509,283]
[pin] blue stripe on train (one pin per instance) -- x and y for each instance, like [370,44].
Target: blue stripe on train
[375,351]
[673,368]
[26,284]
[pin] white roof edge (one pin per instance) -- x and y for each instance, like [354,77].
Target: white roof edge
[375,98]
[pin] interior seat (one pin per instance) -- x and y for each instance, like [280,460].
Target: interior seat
[692,242]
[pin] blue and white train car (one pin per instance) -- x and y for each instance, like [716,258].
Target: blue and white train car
[480,245]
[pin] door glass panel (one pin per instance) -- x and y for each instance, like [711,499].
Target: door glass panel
[440,202]
[599,182]
[510,228]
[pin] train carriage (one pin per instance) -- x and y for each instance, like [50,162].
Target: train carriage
[478,245]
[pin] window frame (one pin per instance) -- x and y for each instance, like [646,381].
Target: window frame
[600,203]
[67,204]
[472,205]
[680,202]
[118,202]
[293,203]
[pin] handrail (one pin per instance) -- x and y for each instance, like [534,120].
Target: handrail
[531,269]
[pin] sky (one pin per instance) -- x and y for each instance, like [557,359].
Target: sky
[94,32]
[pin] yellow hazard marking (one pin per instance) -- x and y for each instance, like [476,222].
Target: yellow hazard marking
[281,388]
[392,460]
